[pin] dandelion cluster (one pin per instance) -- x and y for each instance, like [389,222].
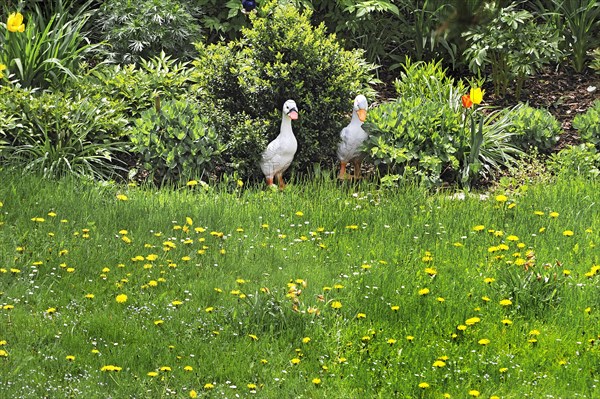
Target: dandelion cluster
[253,302]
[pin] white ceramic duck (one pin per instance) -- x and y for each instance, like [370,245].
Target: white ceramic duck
[280,152]
[352,137]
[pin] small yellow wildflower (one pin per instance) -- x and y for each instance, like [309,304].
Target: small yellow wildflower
[121,298]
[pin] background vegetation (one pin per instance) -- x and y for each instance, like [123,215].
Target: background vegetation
[238,69]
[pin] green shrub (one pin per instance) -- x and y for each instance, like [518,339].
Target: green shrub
[534,128]
[413,137]
[144,28]
[514,45]
[220,19]
[177,140]
[55,134]
[284,57]
[588,125]
[135,86]
[580,160]
[427,134]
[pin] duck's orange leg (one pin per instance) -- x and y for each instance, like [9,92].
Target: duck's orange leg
[269,181]
[342,171]
[280,181]
[356,169]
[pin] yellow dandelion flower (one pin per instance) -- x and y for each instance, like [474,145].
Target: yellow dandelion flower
[152,374]
[474,393]
[70,358]
[410,338]
[507,322]
[336,305]
[253,337]
[501,198]
[483,341]
[391,341]
[553,214]
[472,321]
[439,364]
[295,361]
[568,233]
[503,369]
[121,298]
[165,369]
[506,302]
[305,340]
[479,227]
[423,385]
[395,308]
[424,291]
[122,197]
[192,183]
[3,353]
[316,381]
[208,386]
[361,316]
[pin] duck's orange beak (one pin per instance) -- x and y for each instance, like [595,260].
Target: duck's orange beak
[293,115]
[362,114]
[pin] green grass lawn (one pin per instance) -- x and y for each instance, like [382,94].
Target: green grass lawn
[321,291]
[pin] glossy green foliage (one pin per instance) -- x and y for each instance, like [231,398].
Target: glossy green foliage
[587,125]
[176,139]
[534,128]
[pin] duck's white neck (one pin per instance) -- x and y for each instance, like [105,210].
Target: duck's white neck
[286,126]
[355,119]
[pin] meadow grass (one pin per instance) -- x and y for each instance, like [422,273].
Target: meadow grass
[323,290]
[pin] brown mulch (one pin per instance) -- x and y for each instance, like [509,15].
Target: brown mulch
[563,93]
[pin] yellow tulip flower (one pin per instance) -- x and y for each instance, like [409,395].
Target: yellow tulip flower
[476,95]
[15,22]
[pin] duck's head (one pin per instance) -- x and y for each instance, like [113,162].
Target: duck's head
[360,107]
[290,109]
